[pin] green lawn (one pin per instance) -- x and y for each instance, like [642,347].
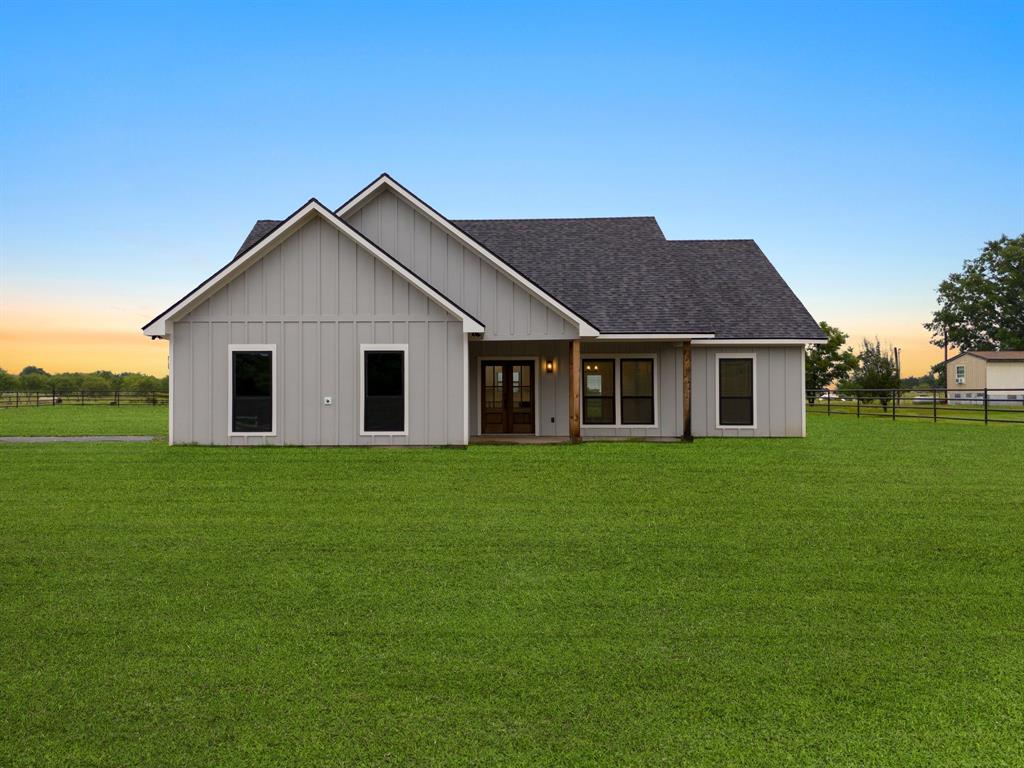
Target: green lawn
[84,420]
[855,598]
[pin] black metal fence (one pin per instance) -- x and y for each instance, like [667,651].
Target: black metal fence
[1000,406]
[54,397]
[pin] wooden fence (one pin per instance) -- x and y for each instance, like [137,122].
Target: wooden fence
[996,406]
[55,397]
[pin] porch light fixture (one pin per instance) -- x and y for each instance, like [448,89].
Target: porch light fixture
[549,366]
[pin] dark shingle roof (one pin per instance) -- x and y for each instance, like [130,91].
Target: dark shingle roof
[259,230]
[623,276]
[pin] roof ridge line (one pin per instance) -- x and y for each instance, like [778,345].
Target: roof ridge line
[569,218]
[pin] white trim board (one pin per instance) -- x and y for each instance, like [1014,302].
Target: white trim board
[618,357]
[586,330]
[752,356]
[755,342]
[158,326]
[272,349]
[369,347]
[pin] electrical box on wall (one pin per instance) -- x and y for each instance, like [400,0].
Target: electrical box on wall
[328,400]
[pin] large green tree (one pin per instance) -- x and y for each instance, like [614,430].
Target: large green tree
[982,306]
[829,362]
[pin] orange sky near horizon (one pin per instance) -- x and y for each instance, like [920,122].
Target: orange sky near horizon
[77,338]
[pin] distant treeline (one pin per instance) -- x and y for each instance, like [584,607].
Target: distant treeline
[33,379]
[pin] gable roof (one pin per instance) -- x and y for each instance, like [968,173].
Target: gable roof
[624,275]
[993,356]
[272,236]
[384,181]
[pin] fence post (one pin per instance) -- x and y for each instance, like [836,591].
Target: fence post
[986,405]
[856,397]
[117,397]
[935,406]
[828,403]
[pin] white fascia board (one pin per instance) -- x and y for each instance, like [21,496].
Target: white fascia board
[585,328]
[756,342]
[157,327]
[653,336]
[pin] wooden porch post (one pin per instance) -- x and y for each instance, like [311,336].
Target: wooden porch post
[574,390]
[687,391]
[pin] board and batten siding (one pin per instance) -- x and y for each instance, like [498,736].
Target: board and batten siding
[506,309]
[779,394]
[318,296]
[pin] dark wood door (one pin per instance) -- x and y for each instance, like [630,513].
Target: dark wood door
[508,397]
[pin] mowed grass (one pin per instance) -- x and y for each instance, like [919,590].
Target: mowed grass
[855,598]
[70,419]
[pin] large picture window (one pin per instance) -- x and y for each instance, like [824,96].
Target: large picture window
[384,378]
[637,384]
[252,389]
[735,391]
[598,391]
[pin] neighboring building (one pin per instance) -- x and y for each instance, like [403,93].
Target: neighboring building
[969,374]
[385,323]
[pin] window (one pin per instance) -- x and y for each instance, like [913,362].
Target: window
[252,374]
[637,398]
[961,374]
[956,395]
[735,391]
[384,379]
[599,392]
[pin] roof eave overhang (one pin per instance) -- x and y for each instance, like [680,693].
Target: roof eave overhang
[158,326]
[761,342]
[383,181]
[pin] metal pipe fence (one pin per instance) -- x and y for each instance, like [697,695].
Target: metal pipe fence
[54,397]
[987,405]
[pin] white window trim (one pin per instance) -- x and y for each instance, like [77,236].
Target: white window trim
[961,374]
[272,349]
[718,391]
[618,389]
[363,349]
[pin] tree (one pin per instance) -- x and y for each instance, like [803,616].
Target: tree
[877,371]
[982,307]
[8,381]
[828,362]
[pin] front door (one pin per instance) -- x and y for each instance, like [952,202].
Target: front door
[507,396]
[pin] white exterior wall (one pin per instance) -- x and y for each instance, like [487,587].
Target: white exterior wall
[778,393]
[317,297]
[1006,376]
[507,309]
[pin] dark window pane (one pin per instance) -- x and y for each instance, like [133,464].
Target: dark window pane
[383,392]
[638,378]
[736,411]
[252,396]
[736,377]
[637,410]
[599,410]
[599,377]
[598,391]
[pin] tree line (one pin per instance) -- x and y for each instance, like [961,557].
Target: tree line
[981,308]
[35,379]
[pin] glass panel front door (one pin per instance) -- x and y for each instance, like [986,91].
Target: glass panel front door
[507,397]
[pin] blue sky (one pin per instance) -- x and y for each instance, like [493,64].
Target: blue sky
[868,148]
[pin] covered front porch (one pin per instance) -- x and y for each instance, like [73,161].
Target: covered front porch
[550,391]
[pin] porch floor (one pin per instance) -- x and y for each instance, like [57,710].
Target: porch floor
[517,439]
